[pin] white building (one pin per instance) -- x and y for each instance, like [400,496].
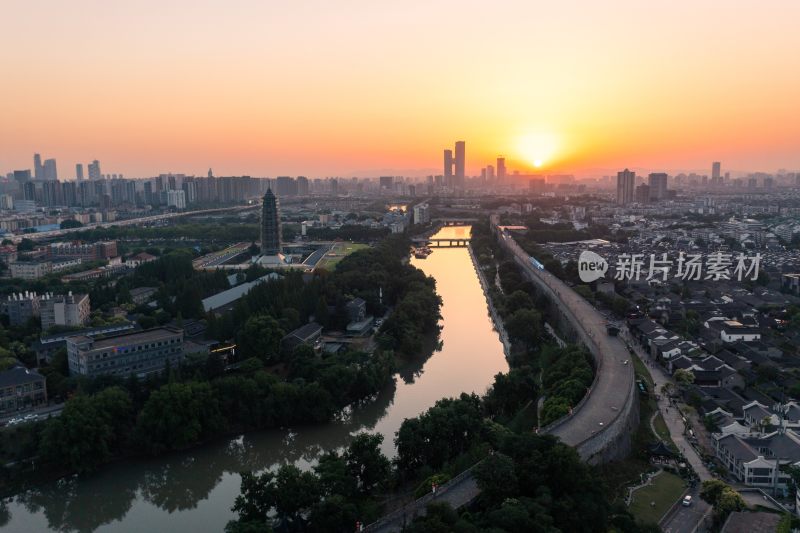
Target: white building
[422,214]
[176,199]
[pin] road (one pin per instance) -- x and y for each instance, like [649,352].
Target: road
[127,222]
[614,371]
[670,413]
[686,519]
[43,412]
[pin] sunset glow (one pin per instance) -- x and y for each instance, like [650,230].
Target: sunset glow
[359,88]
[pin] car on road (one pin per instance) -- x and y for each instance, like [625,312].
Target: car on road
[687,501]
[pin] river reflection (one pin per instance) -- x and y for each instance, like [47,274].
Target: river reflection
[194,491]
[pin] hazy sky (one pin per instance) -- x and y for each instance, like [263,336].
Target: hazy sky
[360,87]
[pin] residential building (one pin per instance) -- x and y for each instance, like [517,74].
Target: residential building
[422,214]
[20,389]
[137,353]
[71,310]
[626,180]
[30,270]
[98,251]
[20,307]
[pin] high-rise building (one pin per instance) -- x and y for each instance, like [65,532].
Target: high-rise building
[94,170]
[625,187]
[642,194]
[448,166]
[270,225]
[38,168]
[79,172]
[302,186]
[50,173]
[21,176]
[501,168]
[386,182]
[716,170]
[489,172]
[460,161]
[658,186]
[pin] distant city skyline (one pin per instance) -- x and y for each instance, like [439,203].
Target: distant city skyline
[296,90]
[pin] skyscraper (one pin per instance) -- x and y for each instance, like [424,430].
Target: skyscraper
[50,173]
[448,166]
[79,172]
[38,169]
[658,186]
[501,168]
[716,170]
[460,161]
[94,170]
[270,225]
[625,187]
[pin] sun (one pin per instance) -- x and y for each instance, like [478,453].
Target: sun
[537,148]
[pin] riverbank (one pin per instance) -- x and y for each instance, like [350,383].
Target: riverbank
[194,490]
[495,316]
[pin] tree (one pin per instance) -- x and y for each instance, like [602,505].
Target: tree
[260,337]
[89,430]
[496,478]
[289,493]
[683,377]
[366,463]
[525,325]
[70,223]
[518,300]
[26,245]
[178,415]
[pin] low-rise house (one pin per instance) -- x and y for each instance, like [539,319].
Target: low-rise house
[756,461]
[307,334]
[142,295]
[21,388]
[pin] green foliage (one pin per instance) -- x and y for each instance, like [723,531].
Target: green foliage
[260,337]
[338,492]
[566,378]
[525,325]
[89,430]
[178,415]
[449,428]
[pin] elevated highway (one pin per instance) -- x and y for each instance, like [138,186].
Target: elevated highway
[601,425]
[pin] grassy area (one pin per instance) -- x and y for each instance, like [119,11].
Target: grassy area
[651,502]
[619,475]
[661,428]
[339,251]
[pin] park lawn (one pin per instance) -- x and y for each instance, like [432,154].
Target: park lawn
[664,490]
[341,250]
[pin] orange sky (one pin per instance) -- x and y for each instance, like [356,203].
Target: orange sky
[362,87]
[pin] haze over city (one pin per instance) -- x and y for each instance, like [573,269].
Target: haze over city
[363,88]
[400,267]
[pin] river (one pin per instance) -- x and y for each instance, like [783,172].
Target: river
[194,491]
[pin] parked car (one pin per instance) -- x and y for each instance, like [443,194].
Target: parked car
[687,501]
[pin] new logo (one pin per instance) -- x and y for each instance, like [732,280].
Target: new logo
[591,266]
